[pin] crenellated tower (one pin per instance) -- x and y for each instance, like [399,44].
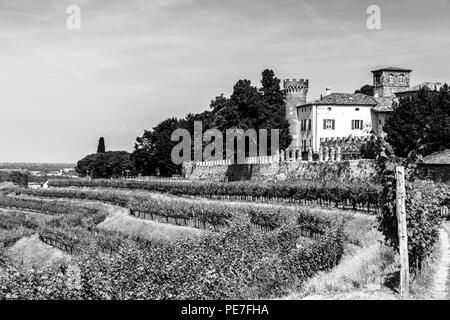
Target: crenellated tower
[296,92]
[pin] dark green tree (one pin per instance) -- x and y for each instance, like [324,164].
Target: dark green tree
[101,145]
[273,116]
[247,108]
[420,123]
[366,89]
[18,177]
[154,149]
[143,161]
[219,103]
[369,149]
[111,164]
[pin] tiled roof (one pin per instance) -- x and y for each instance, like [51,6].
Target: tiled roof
[345,99]
[384,105]
[393,69]
[441,157]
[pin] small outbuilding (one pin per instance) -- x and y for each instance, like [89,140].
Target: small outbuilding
[436,166]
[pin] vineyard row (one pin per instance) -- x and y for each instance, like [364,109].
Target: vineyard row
[353,195]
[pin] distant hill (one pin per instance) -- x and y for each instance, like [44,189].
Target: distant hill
[45,167]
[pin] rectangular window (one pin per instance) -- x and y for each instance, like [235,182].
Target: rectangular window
[328,124]
[309,124]
[357,124]
[303,144]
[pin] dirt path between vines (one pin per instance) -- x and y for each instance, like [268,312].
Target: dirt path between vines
[441,288]
[31,252]
[119,219]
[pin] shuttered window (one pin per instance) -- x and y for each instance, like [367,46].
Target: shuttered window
[357,124]
[328,124]
[305,125]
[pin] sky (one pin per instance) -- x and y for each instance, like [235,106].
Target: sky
[134,63]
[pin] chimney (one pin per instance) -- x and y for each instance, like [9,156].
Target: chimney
[327,91]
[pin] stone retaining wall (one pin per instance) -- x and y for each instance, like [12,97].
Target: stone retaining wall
[349,170]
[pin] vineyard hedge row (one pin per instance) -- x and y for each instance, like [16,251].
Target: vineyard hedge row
[356,195]
[424,202]
[42,206]
[14,227]
[233,263]
[211,213]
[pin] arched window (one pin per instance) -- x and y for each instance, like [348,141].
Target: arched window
[378,80]
[401,79]
[391,78]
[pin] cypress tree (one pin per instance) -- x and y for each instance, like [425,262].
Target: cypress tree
[101,145]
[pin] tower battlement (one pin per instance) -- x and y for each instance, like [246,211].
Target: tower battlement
[290,85]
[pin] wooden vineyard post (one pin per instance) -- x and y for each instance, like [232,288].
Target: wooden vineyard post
[402,231]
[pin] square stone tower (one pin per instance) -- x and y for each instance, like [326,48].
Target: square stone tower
[387,81]
[296,92]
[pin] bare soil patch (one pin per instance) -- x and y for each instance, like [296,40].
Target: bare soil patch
[31,252]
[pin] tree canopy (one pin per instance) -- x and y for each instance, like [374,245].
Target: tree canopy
[420,123]
[153,150]
[248,107]
[366,89]
[111,164]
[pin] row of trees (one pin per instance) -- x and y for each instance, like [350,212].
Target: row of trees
[248,107]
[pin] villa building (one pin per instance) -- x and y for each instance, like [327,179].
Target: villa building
[342,115]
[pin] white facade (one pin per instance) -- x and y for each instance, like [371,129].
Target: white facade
[344,115]
[318,122]
[378,121]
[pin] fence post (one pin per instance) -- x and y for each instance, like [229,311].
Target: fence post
[402,232]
